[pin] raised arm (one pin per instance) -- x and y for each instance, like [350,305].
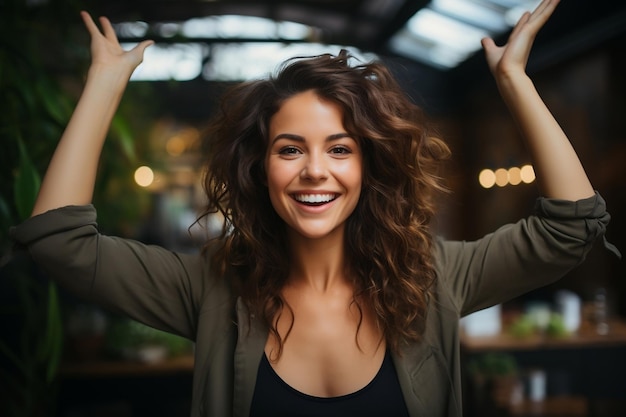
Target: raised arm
[71,175]
[559,171]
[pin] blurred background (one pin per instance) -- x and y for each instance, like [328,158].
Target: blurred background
[558,351]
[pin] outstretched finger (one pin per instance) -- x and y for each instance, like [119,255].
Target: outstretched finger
[545,5]
[520,24]
[107,28]
[543,12]
[541,6]
[89,23]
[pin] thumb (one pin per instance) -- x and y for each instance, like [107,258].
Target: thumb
[487,44]
[137,53]
[141,47]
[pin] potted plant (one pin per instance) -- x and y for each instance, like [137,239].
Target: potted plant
[495,376]
[42,65]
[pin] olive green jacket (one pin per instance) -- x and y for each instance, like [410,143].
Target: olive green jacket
[178,293]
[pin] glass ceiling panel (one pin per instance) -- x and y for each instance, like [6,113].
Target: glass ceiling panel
[443,35]
[221,27]
[483,15]
[225,61]
[177,61]
[447,32]
[242,27]
[201,54]
[247,61]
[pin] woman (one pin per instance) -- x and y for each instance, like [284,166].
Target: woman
[326,293]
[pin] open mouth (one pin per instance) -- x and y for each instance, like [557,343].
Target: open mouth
[314,199]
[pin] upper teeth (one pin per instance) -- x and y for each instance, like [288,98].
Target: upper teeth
[314,198]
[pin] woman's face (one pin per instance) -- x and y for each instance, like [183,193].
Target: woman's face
[314,167]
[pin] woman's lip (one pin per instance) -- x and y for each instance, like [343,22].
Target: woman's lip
[317,198]
[315,207]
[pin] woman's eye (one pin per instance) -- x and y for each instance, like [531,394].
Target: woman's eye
[289,150]
[340,150]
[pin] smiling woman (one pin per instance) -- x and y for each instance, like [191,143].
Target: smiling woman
[322,127]
[313,167]
[326,292]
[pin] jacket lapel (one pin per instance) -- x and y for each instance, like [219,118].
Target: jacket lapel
[252,336]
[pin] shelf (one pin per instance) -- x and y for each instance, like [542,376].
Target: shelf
[116,368]
[586,337]
[554,406]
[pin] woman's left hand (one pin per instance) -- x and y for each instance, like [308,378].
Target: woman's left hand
[512,57]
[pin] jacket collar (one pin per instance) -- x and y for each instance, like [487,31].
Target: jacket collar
[252,336]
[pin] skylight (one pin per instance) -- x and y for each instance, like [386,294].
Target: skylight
[447,32]
[443,34]
[246,61]
[223,48]
[237,27]
[225,61]
[177,61]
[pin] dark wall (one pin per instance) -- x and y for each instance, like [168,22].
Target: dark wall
[587,95]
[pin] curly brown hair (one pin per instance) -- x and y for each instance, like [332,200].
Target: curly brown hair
[388,239]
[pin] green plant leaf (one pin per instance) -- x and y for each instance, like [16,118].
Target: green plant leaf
[52,102]
[50,349]
[120,128]
[26,184]
[14,358]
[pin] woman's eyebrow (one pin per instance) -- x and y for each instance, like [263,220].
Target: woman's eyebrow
[338,136]
[299,138]
[289,136]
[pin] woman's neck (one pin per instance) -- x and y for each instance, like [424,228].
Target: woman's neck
[318,263]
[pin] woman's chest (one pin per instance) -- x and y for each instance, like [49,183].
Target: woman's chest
[328,349]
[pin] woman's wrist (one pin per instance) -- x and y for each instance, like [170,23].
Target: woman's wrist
[513,83]
[110,76]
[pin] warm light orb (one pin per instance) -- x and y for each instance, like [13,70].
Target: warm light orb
[527,174]
[515,175]
[175,146]
[144,176]
[502,177]
[487,178]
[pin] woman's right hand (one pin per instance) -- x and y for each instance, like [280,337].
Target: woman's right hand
[106,50]
[71,174]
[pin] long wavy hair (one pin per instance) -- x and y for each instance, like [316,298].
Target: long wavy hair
[387,239]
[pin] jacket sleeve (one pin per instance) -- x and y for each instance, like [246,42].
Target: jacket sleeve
[520,257]
[148,283]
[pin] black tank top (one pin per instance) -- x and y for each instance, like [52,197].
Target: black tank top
[273,397]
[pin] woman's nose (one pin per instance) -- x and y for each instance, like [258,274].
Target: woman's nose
[315,168]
